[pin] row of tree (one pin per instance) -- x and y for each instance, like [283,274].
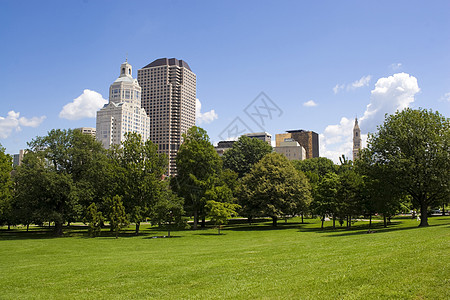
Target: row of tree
[67,176]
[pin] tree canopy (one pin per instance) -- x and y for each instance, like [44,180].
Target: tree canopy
[244,154]
[410,154]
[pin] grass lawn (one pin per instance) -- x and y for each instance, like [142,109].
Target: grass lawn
[293,261]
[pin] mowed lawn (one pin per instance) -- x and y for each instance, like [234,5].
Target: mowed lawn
[293,261]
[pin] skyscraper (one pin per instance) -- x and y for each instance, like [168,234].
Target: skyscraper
[168,97]
[123,113]
[356,139]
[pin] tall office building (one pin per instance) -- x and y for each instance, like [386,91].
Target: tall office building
[123,113]
[263,136]
[168,97]
[307,139]
[356,139]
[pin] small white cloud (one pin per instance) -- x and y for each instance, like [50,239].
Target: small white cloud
[12,122]
[206,117]
[338,87]
[310,103]
[84,106]
[363,81]
[395,66]
[446,97]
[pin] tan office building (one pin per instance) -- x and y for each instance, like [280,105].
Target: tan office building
[168,97]
[307,139]
[291,149]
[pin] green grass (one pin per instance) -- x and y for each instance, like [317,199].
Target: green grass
[294,261]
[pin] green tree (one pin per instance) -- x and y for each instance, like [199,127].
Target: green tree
[410,154]
[95,219]
[244,154]
[5,186]
[116,214]
[220,212]
[139,170]
[168,211]
[349,195]
[325,199]
[198,167]
[54,178]
[273,188]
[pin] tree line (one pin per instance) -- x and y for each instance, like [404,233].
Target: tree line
[69,177]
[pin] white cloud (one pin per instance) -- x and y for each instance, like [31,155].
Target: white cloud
[310,103]
[446,97]
[395,66]
[12,122]
[390,94]
[206,117]
[363,81]
[84,106]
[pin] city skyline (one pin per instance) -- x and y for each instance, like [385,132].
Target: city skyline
[321,64]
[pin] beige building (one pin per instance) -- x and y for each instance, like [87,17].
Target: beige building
[87,130]
[123,113]
[17,158]
[168,97]
[291,149]
[307,139]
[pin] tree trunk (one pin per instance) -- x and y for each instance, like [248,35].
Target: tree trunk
[370,221]
[58,228]
[9,227]
[323,220]
[302,218]
[219,229]
[423,214]
[28,226]
[274,221]
[195,219]
[334,222]
[138,224]
[250,220]
[443,209]
[203,222]
[385,221]
[168,233]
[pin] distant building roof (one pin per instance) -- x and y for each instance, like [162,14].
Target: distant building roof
[169,62]
[295,130]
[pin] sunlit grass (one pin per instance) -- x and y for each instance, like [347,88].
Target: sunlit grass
[293,261]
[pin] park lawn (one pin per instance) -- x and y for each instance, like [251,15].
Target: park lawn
[293,261]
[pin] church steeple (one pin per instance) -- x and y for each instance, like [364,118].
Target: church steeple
[356,139]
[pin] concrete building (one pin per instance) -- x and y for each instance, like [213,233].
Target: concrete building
[223,146]
[87,130]
[123,113]
[291,149]
[356,140]
[263,136]
[307,139]
[17,158]
[168,97]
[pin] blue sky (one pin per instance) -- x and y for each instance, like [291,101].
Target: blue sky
[343,58]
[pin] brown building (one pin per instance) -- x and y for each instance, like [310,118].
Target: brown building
[168,97]
[307,139]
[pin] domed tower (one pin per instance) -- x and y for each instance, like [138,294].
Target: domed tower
[123,113]
[356,139]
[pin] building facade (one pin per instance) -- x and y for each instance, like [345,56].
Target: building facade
[291,149]
[356,140]
[224,146]
[307,139]
[123,113]
[263,136]
[168,97]
[87,130]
